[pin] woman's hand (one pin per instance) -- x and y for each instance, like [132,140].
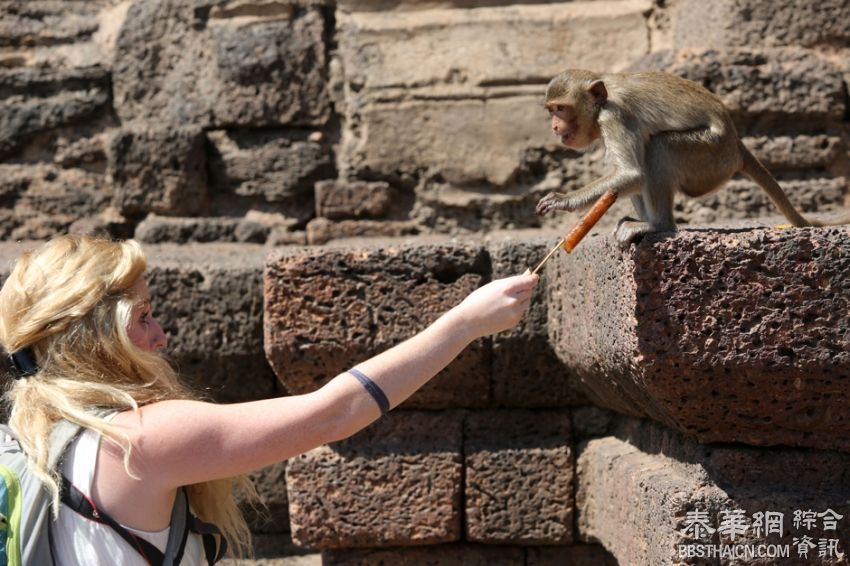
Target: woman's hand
[498,305]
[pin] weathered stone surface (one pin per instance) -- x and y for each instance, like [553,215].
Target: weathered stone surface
[729,335]
[274,166]
[761,23]
[321,230]
[272,516]
[214,63]
[576,555]
[161,171]
[40,23]
[526,370]
[764,89]
[396,483]
[156,229]
[636,490]
[519,477]
[328,309]
[40,201]
[469,85]
[745,199]
[208,299]
[339,199]
[796,152]
[434,555]
[66,98]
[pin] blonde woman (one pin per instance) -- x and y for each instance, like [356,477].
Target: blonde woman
[76,319]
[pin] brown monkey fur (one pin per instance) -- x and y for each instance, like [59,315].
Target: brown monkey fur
[661,133]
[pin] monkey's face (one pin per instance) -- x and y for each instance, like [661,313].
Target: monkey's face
[568,125]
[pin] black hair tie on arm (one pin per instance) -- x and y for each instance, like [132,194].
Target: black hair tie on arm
[22,363]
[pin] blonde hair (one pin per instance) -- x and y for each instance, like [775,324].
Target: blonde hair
[70,303]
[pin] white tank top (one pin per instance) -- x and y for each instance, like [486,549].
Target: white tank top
[78,541]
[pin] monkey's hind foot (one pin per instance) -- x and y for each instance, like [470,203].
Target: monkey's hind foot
[629,230]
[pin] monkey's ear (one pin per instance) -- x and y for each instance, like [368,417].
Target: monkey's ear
[598,91]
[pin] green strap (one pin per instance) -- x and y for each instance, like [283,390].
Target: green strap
[13,527]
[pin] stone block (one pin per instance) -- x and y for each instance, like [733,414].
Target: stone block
[209,300]
[470,85]
[398,482]
[321,230]
[219,64]
[434,555]
[328,309]
[272,515]
[760,23]
[575,555]
[526,369]
[339,199]
[640,493]
[66,98]
[161,171]
[726,334]
[764,89]
[519,477]
[268,166]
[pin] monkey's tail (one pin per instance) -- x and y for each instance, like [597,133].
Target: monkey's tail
[753,169]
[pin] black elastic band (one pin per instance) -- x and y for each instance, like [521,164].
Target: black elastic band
[374,390]
[22,363]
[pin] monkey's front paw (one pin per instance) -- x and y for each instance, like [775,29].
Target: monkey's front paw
[553,201]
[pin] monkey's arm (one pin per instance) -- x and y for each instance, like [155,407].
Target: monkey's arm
[625,150]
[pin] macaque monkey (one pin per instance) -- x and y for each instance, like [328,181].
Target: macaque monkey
[661,133]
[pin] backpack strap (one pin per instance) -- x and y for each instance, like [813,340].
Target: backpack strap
[75,500]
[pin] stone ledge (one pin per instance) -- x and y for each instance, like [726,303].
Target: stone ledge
[728,335]
[636,488]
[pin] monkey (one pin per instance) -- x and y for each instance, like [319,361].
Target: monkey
[661,133]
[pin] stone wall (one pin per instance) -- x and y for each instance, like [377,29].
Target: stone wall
[303,121]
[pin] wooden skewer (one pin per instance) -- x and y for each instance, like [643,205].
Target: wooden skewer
[571,240]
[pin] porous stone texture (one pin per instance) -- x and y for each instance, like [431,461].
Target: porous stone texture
[267,166]
[321,230]
[519,477]
[740,23]
[485,90]
[161,171]
[764,89]
[328,309]
[272,515]
[636,490]
[728,335]
[216,63]
[209,300]
[339,200]
[436,555]
[66,97]
[398,482]
[526,369]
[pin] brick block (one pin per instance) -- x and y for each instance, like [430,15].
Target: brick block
[396,483]
[221,65]
[636,490]
[519,479]
[728,335]
[526,369]
[763,88]
[758,23]
[159,170]
[209,300]
[328,309]
[340,199]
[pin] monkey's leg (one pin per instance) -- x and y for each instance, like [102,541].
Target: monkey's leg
[654,205]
